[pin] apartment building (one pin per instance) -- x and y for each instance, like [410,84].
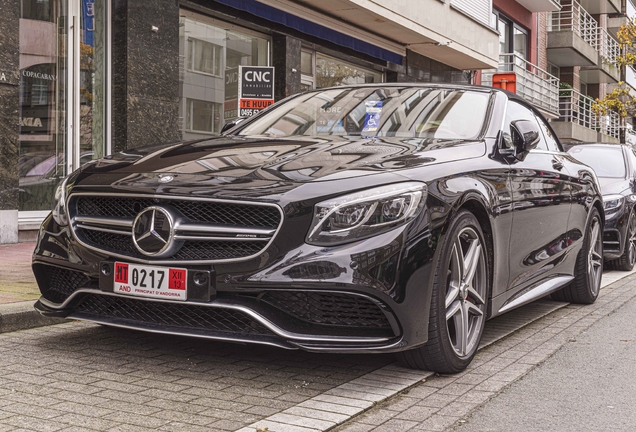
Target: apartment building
[80,79]
[562,55]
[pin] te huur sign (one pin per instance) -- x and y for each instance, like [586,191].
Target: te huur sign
[255,89]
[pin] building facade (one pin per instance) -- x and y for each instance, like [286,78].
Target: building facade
[83,78]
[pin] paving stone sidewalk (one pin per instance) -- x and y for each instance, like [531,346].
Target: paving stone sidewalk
[17,283]
[440,402]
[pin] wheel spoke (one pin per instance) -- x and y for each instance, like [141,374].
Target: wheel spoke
[472,293]
[453,310]
[594,235]
[471,261]
[463,336]
[456,266]
[452,295]
[457,262]
[474,310]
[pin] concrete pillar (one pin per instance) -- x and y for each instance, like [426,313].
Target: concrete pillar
[9,118]
[286,61]
[145,73]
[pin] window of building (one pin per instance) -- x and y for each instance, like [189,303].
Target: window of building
[204,57]
[211,52]
[203,116]
[513,39]
[319,71]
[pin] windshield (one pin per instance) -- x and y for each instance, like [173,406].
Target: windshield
[370,111]
[606,161]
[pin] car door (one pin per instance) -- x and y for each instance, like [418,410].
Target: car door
[541,192]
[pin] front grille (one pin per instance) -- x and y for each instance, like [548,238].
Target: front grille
[57,284]
[196,211]
[334,309]
[190,251]
[173,315]
[210,230]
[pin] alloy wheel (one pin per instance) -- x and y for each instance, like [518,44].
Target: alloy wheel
[466,292]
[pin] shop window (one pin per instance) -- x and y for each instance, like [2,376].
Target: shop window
[203,116]
[204,57]
[306,63]
[332,72]
[211,52]
[40,10]
[50,67]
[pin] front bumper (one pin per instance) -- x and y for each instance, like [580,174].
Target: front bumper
[614,233]
[311,298]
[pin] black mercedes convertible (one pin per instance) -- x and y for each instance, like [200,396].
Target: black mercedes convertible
[384,218]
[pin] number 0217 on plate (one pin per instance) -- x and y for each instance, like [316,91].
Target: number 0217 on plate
[149,281]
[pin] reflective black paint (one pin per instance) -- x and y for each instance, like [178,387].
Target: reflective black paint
[532,213]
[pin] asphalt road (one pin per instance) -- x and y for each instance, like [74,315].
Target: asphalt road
[588,385]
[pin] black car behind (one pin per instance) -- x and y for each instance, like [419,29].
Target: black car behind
[615,166]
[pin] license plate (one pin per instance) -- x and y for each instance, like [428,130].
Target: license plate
[149,281]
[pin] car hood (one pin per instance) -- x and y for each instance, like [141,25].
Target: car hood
[296,159]
[610,186]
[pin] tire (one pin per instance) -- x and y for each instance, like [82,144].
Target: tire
[626,261]
[588,271]
[461,286]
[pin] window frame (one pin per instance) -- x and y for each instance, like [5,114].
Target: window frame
[512,26]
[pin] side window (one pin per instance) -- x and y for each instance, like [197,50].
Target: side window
[516,111]
[553,144]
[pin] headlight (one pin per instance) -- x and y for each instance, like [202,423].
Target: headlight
[366,213]
[59,209]
[612,202]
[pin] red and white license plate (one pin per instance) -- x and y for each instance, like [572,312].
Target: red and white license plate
[149,281]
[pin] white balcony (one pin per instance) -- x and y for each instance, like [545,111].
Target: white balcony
[596,7]
[533,83]
[575,39]
[572,37]
[578,122]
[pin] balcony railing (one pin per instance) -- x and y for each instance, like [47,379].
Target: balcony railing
[608,47]
[533,83]
[577,108]
[573,17]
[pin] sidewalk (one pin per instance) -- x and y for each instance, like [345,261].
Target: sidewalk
[17,283]
[18,289]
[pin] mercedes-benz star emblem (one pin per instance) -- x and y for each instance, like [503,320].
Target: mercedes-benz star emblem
[153,232]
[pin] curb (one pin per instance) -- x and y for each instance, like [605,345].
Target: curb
[22,316]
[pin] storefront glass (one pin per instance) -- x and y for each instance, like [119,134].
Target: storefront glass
[43,85]
[210,53]
[48,63]
[92,80]
[333,72]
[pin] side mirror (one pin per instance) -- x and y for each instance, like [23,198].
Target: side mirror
[229,125]
[525,137]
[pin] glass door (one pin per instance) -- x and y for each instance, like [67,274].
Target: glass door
[64,120]
[43,140]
